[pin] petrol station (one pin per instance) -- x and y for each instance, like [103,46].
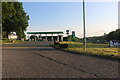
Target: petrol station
[48,36]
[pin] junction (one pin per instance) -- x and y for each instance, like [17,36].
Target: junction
[49,36]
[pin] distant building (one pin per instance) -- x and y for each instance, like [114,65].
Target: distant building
[12,36]
[49,36]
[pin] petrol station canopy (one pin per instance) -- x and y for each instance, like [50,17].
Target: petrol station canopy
[45,32]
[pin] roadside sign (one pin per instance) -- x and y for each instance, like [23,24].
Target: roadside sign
[67,32]
[114,44]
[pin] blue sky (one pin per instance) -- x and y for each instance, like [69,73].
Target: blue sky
[101,17]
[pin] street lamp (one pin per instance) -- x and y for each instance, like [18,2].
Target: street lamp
[118,26]
[84,25]
[70,34]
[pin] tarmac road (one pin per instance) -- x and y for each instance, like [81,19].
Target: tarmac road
[39,60]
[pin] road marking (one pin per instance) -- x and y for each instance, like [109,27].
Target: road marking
[67,65]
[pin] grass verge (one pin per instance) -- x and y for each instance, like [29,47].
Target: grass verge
[11,41]
[92,49]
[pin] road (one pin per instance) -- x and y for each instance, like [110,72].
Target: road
[39,60]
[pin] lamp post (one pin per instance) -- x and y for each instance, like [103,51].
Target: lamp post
[70,34]
[84,25]
[118,26]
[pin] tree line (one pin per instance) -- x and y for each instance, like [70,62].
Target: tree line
[113,35]
[14,19]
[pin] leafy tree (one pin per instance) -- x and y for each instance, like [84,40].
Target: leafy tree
[21,20]
[114,35]
[34,37]
[0,19]
[14,19]
[8,13]
[0,12]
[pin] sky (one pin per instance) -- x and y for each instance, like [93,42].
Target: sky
[101,17]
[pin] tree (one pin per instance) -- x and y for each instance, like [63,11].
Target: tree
[8,13]
[0,13]
[33,37]
[21,20]
[0,19]
[114,35]
[14,19]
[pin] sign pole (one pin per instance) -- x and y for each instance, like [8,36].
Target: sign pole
[84,25]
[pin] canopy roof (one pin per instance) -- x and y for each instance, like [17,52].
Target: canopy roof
[45,32]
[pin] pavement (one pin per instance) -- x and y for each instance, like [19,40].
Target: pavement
[39,60]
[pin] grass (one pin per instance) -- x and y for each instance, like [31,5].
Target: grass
[89,45]
[10,41]
[93,48]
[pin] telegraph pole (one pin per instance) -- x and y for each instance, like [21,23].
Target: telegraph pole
[84,25]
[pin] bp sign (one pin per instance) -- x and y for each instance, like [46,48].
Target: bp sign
[73,35]
[67,32]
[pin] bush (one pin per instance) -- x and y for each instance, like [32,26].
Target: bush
[56,43]
[11,40]
[4,38]
[63,45]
